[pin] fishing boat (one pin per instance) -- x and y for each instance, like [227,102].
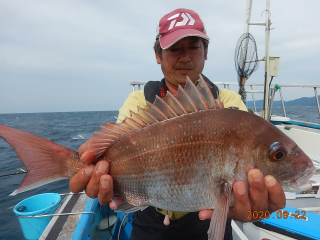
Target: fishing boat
[79,217]
[299,219]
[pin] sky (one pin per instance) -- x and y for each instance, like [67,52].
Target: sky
[67,56]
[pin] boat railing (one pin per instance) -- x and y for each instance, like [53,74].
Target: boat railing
[272,86]
[134,84]
[254,91]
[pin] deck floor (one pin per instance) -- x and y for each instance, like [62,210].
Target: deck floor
[69,224]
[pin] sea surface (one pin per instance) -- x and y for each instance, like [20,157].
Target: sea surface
[69,129]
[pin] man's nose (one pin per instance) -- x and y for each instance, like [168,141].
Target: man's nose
[184,55]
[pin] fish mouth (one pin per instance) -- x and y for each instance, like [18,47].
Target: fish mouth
[301,182]
[282,175]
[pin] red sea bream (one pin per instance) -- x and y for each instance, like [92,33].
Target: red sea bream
[182,153]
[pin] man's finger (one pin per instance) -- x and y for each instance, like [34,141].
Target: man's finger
[241,202]
[87,157]
[92,189]
[277,198]
[112,206]
[105,189]
[205,214]
[258,191]
[81,149]
[79,181]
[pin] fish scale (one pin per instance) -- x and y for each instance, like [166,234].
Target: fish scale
[162,166]
[175,169]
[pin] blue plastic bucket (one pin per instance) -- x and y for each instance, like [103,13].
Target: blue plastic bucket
[41,204]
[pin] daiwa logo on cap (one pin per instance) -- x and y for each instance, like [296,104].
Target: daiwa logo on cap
[186,18]
[179,24]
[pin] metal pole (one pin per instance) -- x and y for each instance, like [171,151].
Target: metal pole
[284,110]
[248,16]
[315,92]
[267,75]
[254,102]
[273,91]
[259,60]
[244,50]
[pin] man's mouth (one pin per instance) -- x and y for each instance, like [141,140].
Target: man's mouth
[183,69]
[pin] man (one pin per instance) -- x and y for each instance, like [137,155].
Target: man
[181,49]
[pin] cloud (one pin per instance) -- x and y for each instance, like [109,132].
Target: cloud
[311,44]
[81,55]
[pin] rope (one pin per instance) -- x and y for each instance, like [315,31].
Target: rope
[7,208]
[20,170]
[121,225]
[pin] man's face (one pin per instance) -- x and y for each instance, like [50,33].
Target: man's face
[185,58]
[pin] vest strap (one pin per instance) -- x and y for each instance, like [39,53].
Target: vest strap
[159,88]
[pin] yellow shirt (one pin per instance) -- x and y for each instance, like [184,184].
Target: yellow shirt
[137,98]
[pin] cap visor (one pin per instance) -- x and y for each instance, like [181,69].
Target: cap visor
[171,38]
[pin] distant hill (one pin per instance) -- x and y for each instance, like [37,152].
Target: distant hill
[304,101]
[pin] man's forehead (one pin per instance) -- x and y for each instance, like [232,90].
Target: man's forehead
[191,40]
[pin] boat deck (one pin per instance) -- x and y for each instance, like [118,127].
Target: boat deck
[307,138]
[63,227]
[79,217]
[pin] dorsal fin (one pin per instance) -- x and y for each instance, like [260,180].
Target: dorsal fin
[206,93]
[194,93]
[137,118]
[175,104]
[100,140]
[165,108]
[132,123]
[146,115]
[190,99]
[155,111]
[185,100]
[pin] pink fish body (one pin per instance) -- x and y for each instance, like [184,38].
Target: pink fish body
[181,154]
[181,163]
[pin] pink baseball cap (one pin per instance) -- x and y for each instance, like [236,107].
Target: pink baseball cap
[179,24]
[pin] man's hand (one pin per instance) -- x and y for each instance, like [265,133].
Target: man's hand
[95,180]
[266,194]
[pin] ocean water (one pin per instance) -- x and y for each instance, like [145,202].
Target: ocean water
[302,113]
[69,129]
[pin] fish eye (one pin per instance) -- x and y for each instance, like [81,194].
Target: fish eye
[277,152]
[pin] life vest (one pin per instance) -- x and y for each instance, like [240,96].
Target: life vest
[159,88]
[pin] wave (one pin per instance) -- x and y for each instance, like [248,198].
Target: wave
[79,136]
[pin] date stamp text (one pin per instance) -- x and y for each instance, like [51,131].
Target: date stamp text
[259,215]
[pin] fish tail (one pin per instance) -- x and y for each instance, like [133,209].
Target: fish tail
[45,161]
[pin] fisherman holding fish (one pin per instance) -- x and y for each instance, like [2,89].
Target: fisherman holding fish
[194,150]
[181,49]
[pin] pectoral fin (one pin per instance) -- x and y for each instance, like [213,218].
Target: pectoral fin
[123,206]
[219,216]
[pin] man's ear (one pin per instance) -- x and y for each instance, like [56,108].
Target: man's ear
[157,57]
[206,55]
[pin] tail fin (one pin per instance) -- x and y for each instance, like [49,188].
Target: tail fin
[45,161]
